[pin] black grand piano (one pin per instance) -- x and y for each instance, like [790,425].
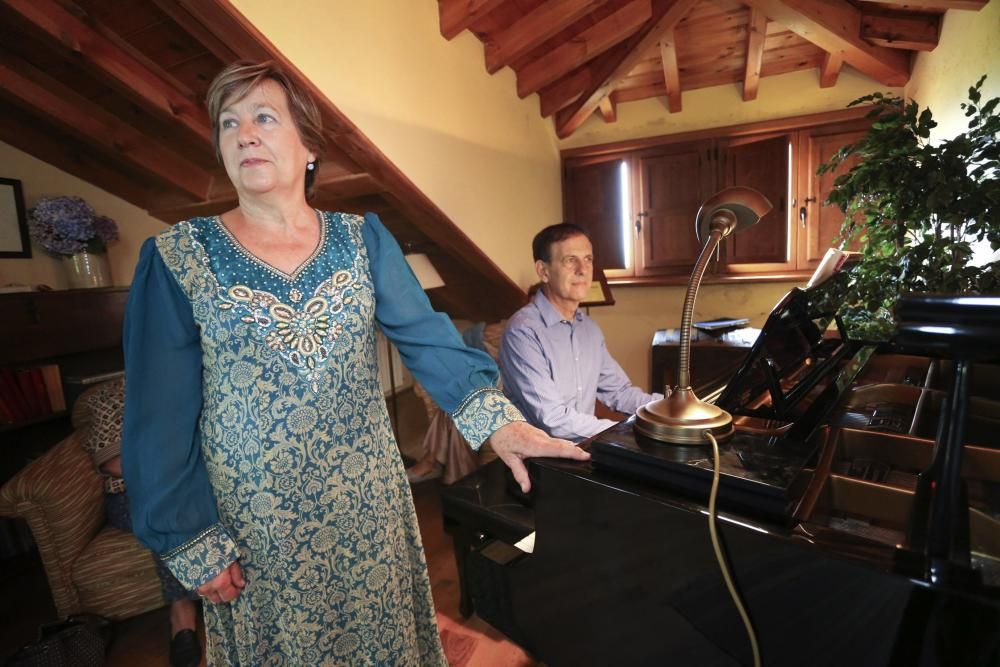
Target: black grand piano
[859,510]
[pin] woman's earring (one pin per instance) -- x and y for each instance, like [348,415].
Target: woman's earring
[310,166]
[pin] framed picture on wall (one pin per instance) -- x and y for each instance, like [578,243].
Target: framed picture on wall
[14,241]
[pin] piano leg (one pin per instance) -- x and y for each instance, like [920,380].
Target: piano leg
[462,544]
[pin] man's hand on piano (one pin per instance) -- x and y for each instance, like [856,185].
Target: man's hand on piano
[520,440]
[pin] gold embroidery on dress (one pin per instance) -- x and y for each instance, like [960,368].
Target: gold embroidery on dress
[302,335]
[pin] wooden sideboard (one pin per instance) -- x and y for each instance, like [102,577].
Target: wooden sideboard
[44,325]
[81,331]
[714,356]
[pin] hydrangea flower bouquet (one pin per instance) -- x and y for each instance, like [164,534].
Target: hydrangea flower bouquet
[65,226]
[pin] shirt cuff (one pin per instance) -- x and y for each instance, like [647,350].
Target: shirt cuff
[483,412]
[203,558]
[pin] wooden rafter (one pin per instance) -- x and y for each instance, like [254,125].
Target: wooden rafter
[334,186]
[830,70]
[23,84]
[25,133]
[536,27]
[914,32]
[182,17]
[757,31]
[583,47]
[835,26]
[609,111]
[111,63]
[559,95]
[671,73]
[941,5]
[458,15]
[607,71]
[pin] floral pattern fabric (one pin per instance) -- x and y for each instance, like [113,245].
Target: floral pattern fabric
[308,482]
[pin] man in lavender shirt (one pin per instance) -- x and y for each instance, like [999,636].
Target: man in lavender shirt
[553,358]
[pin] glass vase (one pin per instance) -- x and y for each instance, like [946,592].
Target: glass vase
[87,269]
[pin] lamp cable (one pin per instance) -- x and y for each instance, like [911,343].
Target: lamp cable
[713,531]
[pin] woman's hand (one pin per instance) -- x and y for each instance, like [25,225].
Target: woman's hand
[226,586]
[520,440]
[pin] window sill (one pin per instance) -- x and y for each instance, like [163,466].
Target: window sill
[679,280]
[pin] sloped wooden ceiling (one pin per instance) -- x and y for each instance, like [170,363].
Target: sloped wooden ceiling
[586,56]
[113,93]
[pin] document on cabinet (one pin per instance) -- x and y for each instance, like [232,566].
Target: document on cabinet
[527,544]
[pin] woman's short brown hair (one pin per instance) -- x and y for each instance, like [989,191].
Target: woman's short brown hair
[237,80]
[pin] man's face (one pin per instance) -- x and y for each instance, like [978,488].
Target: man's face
[568,274]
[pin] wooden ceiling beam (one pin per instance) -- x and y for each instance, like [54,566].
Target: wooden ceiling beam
[534,28]
[24,85]
[560,94]
[830,70]
[35,137]
[182,17]
[608,70]
[458,15]
[671,72]
[222,197]
[112,64]
[913,32]
[757,31]
[609,110]
[940,5]
[835,27]
[583,47]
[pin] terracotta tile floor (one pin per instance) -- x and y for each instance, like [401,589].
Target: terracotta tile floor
[143,640]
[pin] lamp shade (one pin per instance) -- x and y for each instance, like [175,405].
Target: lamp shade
[426,274]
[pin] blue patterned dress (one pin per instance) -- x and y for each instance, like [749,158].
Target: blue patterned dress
[255,428]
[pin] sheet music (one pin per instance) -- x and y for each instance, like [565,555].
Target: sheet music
[527,545]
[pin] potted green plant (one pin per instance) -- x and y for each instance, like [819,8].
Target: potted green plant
[915,208]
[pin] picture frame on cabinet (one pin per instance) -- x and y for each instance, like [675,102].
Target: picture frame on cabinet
[14,241]
[600,292]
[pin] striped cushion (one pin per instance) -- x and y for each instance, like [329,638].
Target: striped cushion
[116,577]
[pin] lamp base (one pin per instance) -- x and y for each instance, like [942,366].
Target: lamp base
[682,418]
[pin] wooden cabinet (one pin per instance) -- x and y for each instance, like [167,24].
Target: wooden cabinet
[672,183]
[762,163]
[667,181]
[819,223]
[593,200]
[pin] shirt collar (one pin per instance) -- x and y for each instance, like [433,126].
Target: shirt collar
[549,313]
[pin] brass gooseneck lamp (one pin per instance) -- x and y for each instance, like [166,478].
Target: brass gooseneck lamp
[682,418]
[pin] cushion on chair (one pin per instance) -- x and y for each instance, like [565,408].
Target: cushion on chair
[97,414]
[61,497]
[116,577]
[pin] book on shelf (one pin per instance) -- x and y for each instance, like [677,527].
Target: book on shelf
[53,386]
[30,392]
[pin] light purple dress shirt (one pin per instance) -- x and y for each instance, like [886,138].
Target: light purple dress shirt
[554,369]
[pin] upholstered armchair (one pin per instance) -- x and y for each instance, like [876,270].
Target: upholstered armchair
[91,567]
[443,441]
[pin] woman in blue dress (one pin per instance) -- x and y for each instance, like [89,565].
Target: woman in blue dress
[257,447]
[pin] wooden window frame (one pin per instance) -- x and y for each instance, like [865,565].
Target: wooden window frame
[798,128]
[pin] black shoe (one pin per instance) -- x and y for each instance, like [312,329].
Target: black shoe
[185,651]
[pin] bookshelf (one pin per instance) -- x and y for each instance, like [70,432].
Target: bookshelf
[78,331]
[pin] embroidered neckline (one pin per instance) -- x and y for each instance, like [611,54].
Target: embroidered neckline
[289,277]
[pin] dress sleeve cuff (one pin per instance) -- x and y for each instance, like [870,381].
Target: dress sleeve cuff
[482,413]
[203,558]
